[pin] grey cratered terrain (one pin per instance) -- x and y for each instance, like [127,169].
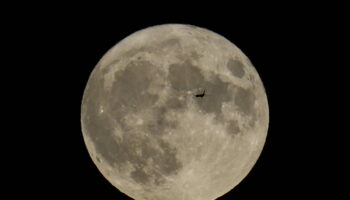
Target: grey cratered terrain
[147,132]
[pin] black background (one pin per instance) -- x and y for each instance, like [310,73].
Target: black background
[54,52]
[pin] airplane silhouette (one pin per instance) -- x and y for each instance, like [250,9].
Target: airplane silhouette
[200,95]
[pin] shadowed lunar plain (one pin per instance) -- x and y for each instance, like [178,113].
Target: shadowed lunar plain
[147,132]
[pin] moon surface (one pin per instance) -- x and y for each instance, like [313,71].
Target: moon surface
[151,137]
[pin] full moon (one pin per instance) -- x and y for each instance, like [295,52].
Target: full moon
[174,112]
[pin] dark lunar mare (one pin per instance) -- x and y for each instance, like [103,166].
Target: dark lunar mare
[185,76]
[128,94]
